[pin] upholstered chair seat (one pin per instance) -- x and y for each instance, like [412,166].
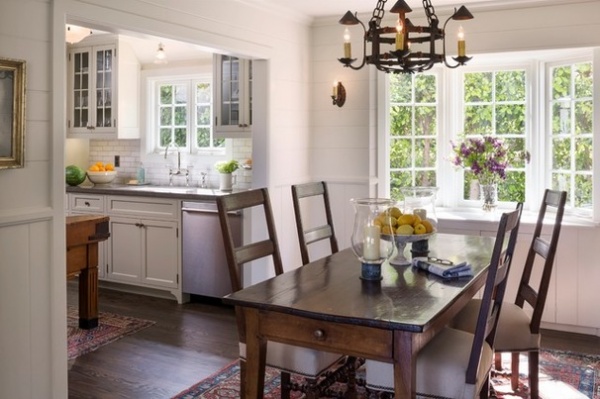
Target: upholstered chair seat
[441,368]
[513,333]
[306,362]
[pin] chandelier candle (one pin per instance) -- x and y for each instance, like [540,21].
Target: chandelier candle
[399,36]
[347,45]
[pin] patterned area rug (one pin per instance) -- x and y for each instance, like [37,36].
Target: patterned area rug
[111,327]
[563,375]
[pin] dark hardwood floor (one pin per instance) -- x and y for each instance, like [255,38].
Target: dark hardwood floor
[188,343]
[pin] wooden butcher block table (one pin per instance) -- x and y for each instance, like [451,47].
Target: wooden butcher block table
[84,232]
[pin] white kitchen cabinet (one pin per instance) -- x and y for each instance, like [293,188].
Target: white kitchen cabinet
[103,86]
[144,246]
[233,97]
[143,251]
[89,204]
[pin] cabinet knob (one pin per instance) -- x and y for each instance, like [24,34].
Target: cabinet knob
[87,203]
[319,334]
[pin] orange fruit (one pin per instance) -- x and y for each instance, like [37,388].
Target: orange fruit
[94,168]
[109,166]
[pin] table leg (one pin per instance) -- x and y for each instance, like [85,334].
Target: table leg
[88,290]
[405,365]
[256,354]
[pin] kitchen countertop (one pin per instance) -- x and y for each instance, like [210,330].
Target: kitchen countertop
[176,192]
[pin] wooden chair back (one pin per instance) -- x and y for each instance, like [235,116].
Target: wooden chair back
[239,256]
[541,247]
[495,287]
[310,235]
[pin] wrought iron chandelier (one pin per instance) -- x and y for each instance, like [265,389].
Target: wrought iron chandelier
[394,49]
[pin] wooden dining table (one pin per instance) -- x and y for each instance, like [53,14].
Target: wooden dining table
[325,305]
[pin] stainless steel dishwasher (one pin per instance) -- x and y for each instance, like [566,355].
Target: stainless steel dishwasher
[204,264]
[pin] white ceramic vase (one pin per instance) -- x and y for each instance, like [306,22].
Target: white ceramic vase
[226,182]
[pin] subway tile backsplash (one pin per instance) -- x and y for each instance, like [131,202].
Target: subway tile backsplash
[157,172]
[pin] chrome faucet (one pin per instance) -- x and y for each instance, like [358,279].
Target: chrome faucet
[179,171]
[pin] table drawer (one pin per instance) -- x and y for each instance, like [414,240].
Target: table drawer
[330,336]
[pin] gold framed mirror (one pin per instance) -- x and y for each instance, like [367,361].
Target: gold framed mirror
[12,113]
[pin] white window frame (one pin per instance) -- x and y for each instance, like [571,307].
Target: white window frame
[451,104]
[153,116]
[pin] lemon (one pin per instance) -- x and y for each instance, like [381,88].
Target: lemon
[395,212]
[405,230]
[428,226]
[420,229]
[416,221]
[386,230]
[406,219]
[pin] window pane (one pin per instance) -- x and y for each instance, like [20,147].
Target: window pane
[203,93]
[561,154]
[203,137]
[583,80]
[425,120]
[181,137]
[511,189]
[165,137]
[425,89]
[583,191]
[180,116]
[400,88]
[203,115]
[583,154]
[400,153]
[561,82]
[510,86]
[478,87]
[166,94]
[401,121]
[166,116]
[397,181]
[181,94]
[510,119]
[584,115]
[425,178]
[561,117]
[425,153]
[478,119]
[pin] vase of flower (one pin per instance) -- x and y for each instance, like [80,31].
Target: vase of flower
[227,179]
[487,158]
[488,194]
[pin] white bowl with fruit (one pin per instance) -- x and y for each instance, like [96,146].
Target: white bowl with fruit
[405,228]
[100,173]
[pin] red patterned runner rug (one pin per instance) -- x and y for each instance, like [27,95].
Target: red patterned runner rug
[563,375]
[111,327]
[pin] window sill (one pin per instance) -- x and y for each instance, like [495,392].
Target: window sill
[476,220]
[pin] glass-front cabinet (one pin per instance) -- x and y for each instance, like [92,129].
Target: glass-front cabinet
[103,78]
[233,97]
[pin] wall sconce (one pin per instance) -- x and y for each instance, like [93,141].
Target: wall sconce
[339,94]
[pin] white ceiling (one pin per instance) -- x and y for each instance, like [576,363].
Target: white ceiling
[145,46]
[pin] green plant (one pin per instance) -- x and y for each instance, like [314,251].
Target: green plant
[227,166]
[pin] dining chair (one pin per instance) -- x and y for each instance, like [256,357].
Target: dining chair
[519,328]
[310,235]
[456,364]
[308,363]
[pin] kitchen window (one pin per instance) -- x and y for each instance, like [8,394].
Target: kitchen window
[541,105]
[182,117]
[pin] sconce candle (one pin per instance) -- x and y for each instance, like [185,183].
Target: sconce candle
[461,42]
[347,45]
